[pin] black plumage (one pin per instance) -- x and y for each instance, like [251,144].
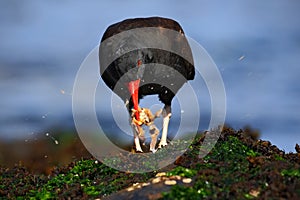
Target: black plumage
[158,79]
[161,71]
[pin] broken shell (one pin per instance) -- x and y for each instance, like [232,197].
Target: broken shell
[170,182]
[160,174]
[186,180]
[156,180]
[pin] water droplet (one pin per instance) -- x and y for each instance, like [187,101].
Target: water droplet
[242,57]
[64,92]
[52,138]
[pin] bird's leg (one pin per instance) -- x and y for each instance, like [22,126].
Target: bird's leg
[137,131]
[166,118]
[141,134]
[154,133]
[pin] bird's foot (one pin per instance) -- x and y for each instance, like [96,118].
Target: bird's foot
[139,149]
[137,145]
[153,150]
[162,144]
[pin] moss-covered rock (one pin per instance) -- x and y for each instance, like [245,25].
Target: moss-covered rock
[240,166]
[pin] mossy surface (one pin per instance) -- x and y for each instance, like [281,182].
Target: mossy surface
[86,178]
[238,167]
[241,167]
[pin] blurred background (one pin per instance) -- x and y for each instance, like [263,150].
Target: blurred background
[255,44]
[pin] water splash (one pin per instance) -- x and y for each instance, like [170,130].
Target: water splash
[54,140]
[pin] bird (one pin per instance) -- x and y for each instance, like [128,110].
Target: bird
[133,67]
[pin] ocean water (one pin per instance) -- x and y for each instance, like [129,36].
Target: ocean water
[254,44]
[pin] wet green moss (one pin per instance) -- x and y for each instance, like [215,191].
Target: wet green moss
[291,173]
[224,172]
[232,153]
[183,172]
[85,176]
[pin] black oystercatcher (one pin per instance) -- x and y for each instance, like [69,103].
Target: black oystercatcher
[146,56]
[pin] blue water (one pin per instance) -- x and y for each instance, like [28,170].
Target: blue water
[255,44]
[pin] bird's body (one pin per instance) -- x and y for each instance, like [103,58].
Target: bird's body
[133,68]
